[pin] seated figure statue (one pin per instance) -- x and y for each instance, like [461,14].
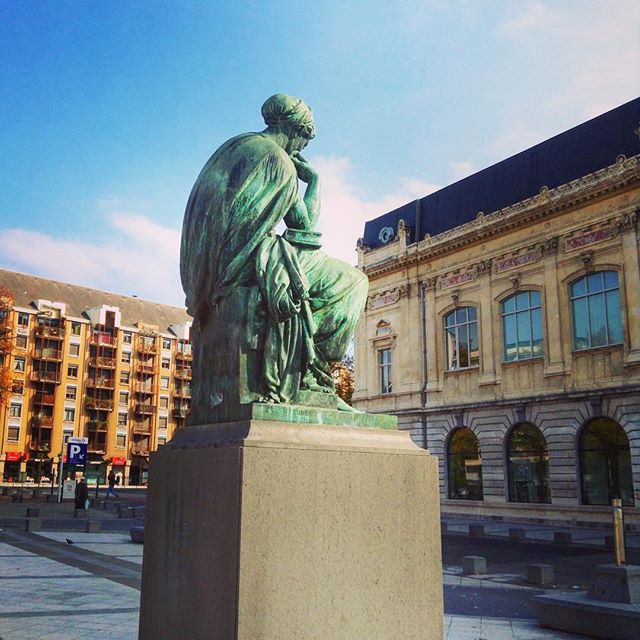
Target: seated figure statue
[270,312]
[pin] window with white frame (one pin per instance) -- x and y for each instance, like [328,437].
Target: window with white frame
[71,392]
[384,370]
[69,415]
[461,339]
[522,326]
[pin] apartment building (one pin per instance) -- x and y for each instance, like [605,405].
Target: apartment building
[503,327]
[87,363]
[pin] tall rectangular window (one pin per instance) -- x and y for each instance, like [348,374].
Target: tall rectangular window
[72,371]
[69,415]
[522,326]
[74,349]
[23,319]
[384,366]
[15,410]
[76,328]
[19,364]
[461,339]
[71,393]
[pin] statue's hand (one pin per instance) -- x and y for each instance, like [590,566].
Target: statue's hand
[306,172]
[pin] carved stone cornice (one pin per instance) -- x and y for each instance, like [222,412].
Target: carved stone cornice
[430,283]
[624,173]
[483,267]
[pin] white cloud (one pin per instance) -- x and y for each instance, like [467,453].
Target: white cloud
[344,212]
[461,169]
[137,256]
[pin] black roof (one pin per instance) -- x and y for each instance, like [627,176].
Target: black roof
[584,149]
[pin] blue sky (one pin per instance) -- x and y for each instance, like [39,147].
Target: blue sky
[108,110]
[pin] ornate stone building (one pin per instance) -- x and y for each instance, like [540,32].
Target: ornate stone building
[503,327]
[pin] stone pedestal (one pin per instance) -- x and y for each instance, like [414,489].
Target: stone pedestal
[268,530]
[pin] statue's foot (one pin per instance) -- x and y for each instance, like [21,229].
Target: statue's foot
[343,406]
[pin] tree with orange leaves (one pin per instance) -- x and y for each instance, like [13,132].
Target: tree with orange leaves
[343,378]
[6,342]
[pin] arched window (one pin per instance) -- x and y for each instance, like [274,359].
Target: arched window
[605,463]
[595,309]
[464,466]
[522,326]
[461,338]
[528,465]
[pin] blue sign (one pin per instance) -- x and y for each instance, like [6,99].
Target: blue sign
[76,453]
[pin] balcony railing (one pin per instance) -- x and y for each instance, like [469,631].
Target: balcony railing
[103,340]
[184,373]
[145,408]
[180,412]
[101,383]
[182,393]
[42,421]
[97,425]
[147,346]
[36,444]
[44,398]
[184,354]
[98,403]
[145,389]
[145,367]
[47,353]
[96,446]
[100,362]
[45,376]
[139,450]
[55,333]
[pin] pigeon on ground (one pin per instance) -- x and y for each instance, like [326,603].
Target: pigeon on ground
[69,541]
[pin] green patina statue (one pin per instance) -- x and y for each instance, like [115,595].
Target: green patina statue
[270,312]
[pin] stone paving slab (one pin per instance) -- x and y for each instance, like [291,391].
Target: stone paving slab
[116,545]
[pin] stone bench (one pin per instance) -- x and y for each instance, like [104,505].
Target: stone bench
[474,565]
[540,574]
[32,524]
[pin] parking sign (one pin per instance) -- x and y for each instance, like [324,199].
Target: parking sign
[77,451]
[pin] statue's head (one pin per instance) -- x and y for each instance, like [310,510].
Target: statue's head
[289,115]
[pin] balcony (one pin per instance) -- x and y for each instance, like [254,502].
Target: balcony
[145,367]
[45,376]
[145,389]
[139,450]
[181,412]
[98,403]
[39,444]
[183,373]
[96,446]
[47,353]
[147,346]
[145,408]
[101,383]
[38,422]
[182,392]
[54,333]
[184,354]
[103,340]
[97,425]
[100,362]
[44,399]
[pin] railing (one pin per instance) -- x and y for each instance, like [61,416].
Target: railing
[103,340]
[182,393]
[184,355]
[44,398]
[95,446]
[97,425]
[180,413]
[145,389]
[39,445]
[145,346]
[101,383]
[183,373]
[43,331]
[143,367]
[102,363]
[45,376]
[98,403]
[42,421]
[138,450]
[47,353]
[145,408]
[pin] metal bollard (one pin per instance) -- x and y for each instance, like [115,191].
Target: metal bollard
[618,532]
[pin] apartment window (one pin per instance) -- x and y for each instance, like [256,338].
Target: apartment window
[13,433]
[121,440]
[23,319]
[522,326]
[71,393]
[66,434]
[164,402]
[15,410]
[166,343]
[124,377]
[122,419]
[595,307]
[123,397]
[127,338]
[162,422]
[19,364]
[461,339]
[384,368]
[125,357]
[72,371]
[166,363]
[164,382]
[21,342]
[74,350]
[76,328]
[162,440]
[69,415]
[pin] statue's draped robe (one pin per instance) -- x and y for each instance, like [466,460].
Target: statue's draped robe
[312,302]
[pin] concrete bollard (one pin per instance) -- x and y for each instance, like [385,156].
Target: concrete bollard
[541,574]
[476,530]
[17,497]
[562,537]
[474,565]
[33,512]
[32,524]
[516,534]
[94,526]
[137,534]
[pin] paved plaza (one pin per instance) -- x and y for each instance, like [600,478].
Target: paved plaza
[90,589]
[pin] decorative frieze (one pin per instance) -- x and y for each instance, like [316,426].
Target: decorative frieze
[387,298]
[608,231]
[457,279]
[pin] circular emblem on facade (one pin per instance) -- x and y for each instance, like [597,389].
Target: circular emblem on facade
[386,234]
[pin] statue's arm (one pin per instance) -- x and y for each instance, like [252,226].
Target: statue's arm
[305,212]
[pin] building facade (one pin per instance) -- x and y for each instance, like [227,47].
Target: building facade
[504,330]
[87,363]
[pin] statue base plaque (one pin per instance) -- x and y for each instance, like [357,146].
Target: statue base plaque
[269,530]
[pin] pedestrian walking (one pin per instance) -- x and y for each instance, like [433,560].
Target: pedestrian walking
[111,478]
[82,494]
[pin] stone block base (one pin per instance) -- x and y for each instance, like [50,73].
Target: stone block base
[277,530]
[616,583]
